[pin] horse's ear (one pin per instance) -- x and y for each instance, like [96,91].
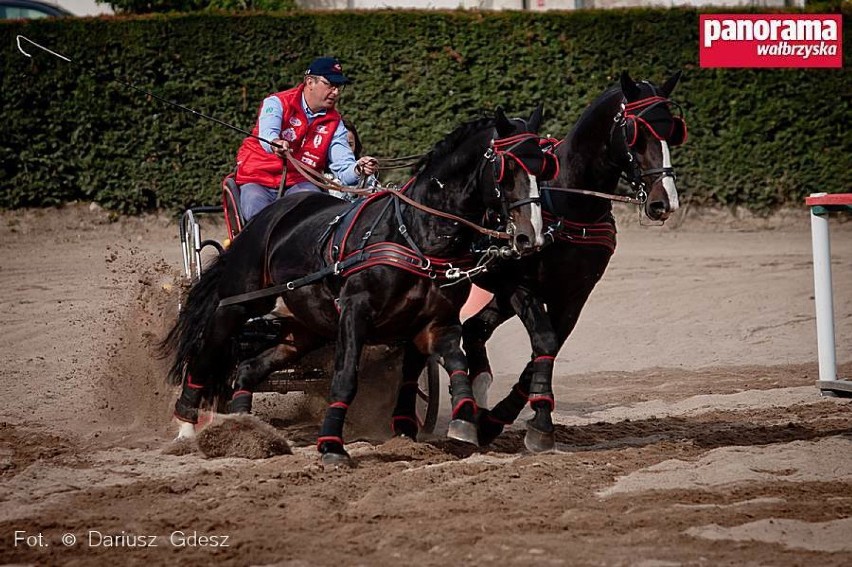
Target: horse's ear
[671,83]
[504,127]
[629,87]
[534,123]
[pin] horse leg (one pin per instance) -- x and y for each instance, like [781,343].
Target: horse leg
[253,371]
[475,333]
[540,434]
[352,331]
[447,344]
[534,385]
[404,421]
[209,368]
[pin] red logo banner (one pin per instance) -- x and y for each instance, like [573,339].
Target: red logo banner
[771,40]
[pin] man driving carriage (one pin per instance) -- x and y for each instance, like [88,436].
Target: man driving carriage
[304,122]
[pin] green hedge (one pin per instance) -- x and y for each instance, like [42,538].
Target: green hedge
[758,138]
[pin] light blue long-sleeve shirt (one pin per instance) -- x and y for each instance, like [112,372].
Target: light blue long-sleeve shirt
[341,160]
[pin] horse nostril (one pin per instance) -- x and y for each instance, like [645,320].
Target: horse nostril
[656,209]
[522,242]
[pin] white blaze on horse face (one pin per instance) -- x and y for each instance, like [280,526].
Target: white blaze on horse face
[535,212]
[668,181]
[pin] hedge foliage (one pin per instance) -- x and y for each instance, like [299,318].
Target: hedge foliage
[758,138]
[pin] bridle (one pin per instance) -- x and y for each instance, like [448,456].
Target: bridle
[518,147]
[626,125]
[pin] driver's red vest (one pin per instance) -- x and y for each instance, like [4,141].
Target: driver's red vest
[308,143]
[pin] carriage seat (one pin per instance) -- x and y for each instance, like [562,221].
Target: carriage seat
[234,220]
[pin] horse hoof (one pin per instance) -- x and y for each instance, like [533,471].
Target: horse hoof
[334,461]
[186,431]
[461,430]
[539,441]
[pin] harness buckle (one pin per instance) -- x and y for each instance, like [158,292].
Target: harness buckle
[336,268]
[453,273]
[489,154]
[291,286]
[403,230]
[367,235]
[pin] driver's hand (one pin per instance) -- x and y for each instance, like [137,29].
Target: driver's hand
[367,165]
[282,147]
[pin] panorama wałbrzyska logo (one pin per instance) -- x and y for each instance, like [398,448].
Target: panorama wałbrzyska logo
[771,40]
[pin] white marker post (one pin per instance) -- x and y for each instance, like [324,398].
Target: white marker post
[821,204]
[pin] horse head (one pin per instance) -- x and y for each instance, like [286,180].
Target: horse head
[519,161]
[647,126]
[491,163]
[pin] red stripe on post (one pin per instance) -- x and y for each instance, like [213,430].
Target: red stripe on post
[829,199]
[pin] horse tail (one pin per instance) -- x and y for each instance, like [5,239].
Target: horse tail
[186,336]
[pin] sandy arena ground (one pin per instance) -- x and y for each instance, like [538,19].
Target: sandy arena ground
[690,430]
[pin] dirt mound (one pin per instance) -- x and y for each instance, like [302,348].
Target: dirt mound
[243,436]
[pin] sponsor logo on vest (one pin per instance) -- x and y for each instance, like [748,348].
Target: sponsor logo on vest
[317,140]
[321,129]
[309,161]
[294,121]
[289,134]
[771,40]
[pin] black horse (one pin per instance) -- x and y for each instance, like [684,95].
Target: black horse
[365,272]
[625,133]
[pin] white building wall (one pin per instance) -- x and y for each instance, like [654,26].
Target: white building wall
[83,7]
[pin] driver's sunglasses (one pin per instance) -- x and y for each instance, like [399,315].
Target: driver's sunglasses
[329,84]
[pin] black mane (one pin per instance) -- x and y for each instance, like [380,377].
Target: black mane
[450,144]
[589,123]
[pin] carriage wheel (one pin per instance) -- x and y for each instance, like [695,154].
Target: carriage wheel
[428,396]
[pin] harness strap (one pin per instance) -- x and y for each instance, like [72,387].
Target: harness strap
[403,230]
[334,268]
[608,196]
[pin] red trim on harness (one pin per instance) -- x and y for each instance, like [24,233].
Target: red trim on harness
[458,372]
[240,393]
[396,418]
[544,357]
[353,222]
[329,438]
[464,401]
[191,384]
[583,234]
[403,258]
[642,103]
[341,405]
[547,399]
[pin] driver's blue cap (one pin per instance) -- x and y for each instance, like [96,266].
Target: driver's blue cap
[328,67]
